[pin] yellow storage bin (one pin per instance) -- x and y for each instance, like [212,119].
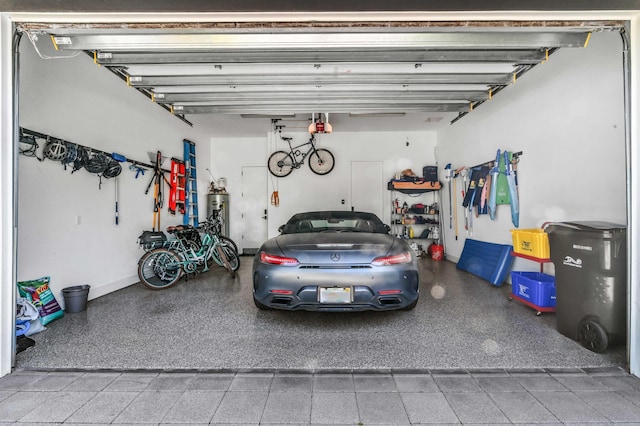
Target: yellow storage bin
[531,242]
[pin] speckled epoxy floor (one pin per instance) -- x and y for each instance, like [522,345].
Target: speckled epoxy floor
[210,322]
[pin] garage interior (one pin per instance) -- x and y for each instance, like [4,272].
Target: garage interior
[393,105]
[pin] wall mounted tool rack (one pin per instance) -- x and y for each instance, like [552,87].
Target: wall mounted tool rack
[490,163]
[29,137]
[516,156]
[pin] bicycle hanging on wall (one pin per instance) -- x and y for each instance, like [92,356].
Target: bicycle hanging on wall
[282,163]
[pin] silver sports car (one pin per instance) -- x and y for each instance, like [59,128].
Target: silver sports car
[335,261]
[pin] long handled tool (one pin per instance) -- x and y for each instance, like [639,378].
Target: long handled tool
[463,173]
[513,190]
[495,171]
[158,180]
[157,202]
[440,237]
[116,185]
[484,196]
[448,177]
[469,216]
[457,173]
[455,206]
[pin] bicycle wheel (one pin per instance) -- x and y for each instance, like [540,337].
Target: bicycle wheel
[225,241]
[228,242]
[232,256]
[280,164]
[321,161]
[159,269]
[223,257]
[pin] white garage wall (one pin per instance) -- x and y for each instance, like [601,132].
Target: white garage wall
[303,190]
[75,100]
[567,116]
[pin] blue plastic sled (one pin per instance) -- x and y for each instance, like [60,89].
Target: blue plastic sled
[489,261]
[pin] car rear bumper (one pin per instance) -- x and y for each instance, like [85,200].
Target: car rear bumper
[371,288]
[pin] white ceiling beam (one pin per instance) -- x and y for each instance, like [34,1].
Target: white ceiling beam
[293,79]
[318,40]
[520,56]
[311,107]
[329,95]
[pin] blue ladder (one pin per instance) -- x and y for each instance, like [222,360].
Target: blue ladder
[191,184]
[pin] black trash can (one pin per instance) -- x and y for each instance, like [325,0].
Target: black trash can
[590,260]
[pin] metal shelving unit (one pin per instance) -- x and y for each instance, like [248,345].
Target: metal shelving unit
[415,216]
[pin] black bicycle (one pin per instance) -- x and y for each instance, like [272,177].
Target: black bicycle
[282,163]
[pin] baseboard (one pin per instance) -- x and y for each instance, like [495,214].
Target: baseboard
[96,292]
[450,258]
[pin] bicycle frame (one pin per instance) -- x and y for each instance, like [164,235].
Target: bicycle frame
[191,259]
[296,153]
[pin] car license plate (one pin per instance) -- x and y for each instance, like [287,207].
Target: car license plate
[335,294]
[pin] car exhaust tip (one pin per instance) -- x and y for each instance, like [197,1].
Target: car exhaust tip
[282,301]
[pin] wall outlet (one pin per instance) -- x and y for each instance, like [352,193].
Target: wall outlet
[78,220]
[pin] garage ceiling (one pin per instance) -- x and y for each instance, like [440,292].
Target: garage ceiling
[353,69]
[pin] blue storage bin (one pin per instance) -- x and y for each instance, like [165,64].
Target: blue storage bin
[534,287]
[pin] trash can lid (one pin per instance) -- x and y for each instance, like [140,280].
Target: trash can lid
[599,227]
[593,224]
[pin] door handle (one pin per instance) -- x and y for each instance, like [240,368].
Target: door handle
[265,214]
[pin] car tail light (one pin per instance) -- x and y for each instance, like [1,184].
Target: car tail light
[387,292]
[392,260]
[276,291]
[278,260]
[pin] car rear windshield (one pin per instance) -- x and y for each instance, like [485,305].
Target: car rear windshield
[329,223]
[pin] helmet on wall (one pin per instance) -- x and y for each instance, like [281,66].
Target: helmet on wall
[55,150]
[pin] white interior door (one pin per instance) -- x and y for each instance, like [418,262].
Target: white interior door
[255,200]
[367,187]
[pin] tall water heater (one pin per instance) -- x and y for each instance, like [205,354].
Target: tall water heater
[214,202]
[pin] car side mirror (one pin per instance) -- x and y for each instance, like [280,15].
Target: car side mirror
[387,228]
[281,228]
